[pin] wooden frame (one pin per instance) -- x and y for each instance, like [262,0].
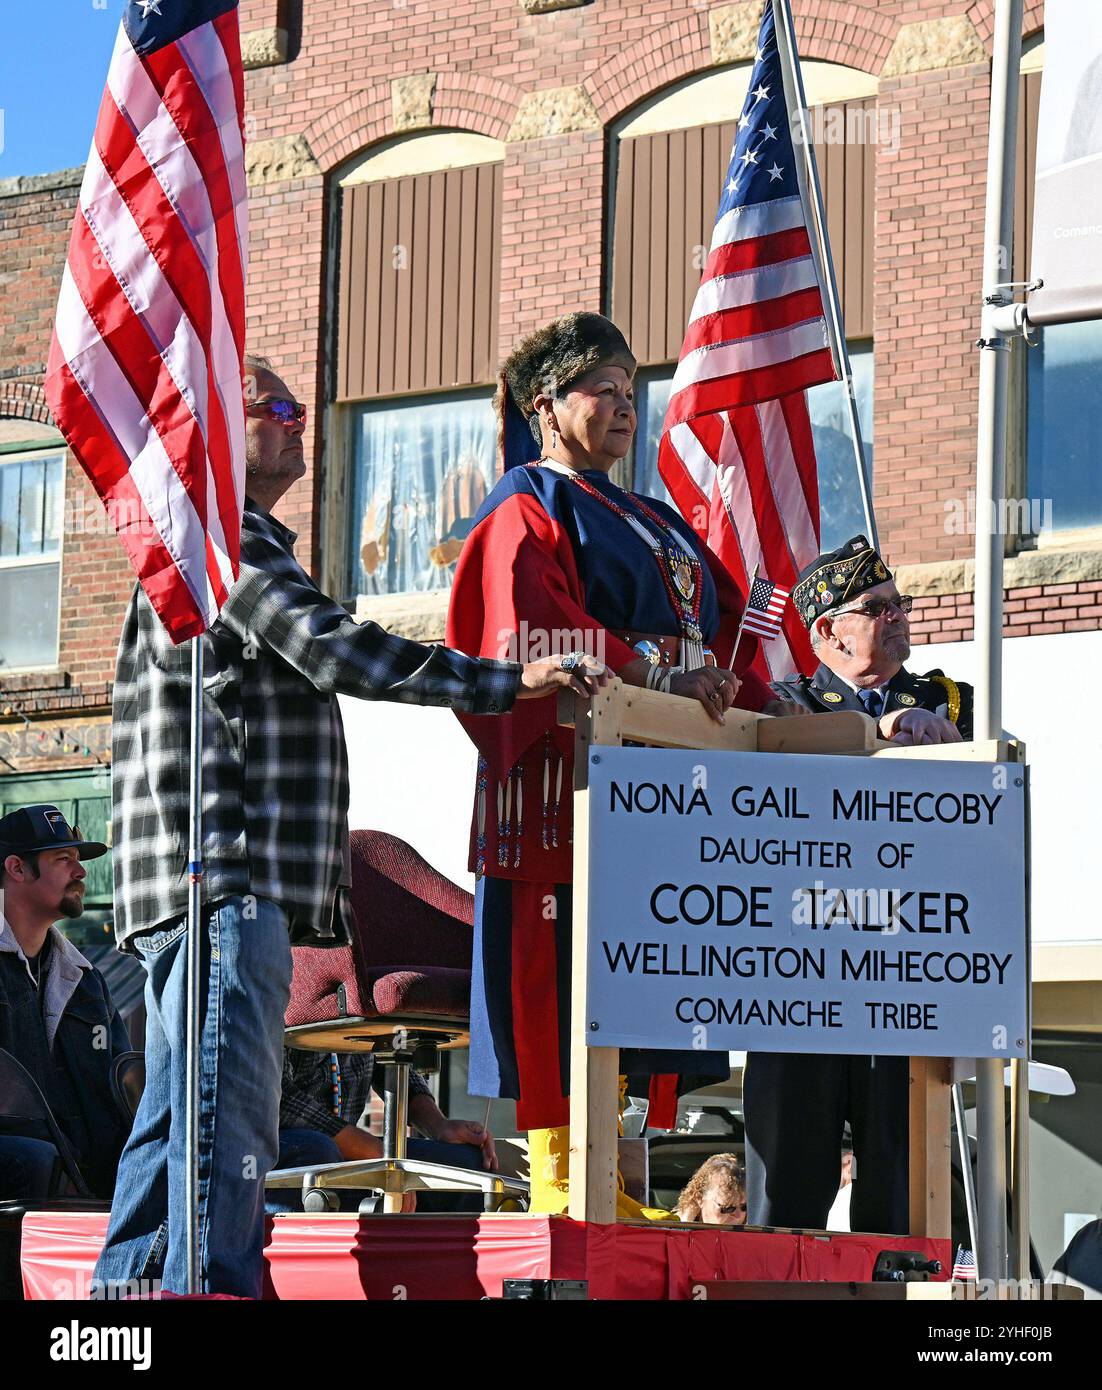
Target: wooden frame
[620,713]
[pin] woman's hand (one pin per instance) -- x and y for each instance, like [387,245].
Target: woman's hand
[711,685]
[540,678]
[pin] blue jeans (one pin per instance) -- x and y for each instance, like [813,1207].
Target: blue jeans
[244,987]
[299,1148]
[27,1168]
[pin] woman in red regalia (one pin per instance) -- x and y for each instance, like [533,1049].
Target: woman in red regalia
[560,559]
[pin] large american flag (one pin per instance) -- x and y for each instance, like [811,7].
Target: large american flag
[736,451]
[145,370]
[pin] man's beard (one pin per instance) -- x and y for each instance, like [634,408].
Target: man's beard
[72,903]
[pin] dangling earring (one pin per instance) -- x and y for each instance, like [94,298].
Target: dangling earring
[554,440]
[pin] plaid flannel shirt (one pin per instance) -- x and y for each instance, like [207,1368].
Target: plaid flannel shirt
[309,1096]
[275,764]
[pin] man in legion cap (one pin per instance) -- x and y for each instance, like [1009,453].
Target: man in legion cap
[796,1106]
[860,631]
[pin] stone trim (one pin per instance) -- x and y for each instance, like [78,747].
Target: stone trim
[1026,570]
[277,161]
[554,111]
[263,48]
[930,44]
[547,6]
[22,184]
[412,100]
[733,31]
[421,617]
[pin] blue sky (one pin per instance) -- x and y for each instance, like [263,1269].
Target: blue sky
[54,56]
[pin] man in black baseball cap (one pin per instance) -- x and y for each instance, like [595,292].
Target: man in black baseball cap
[56,1016]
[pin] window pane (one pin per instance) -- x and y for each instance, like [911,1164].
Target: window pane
[419,474]
[840,512]
[30,506]
[651,399]
[28,615]
[51,538]
[839,490]
[32,489]
[9,509]
[1065,419]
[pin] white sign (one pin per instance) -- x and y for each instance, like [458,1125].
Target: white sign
[749,901]
[1067,199]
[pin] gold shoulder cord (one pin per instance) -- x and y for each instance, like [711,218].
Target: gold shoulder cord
[952,690]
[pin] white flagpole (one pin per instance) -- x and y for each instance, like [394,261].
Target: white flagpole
[745,610]
[812,194]
[990,486]
[194,968]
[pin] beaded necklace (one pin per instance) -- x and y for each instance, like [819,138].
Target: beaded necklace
[681,571]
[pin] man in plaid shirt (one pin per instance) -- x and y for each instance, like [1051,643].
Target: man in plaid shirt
[275,847]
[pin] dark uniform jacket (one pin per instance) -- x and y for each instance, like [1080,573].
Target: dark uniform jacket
[825,692]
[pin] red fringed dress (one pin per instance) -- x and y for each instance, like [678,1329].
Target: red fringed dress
[552,565]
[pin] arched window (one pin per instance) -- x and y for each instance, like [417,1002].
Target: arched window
[667,166]
[419,267]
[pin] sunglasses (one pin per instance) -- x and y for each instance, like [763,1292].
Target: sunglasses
[286,412]
[877,607]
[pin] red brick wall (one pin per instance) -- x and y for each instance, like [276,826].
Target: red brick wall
[488,54]
[34,233]
[1028,612]
[929,264]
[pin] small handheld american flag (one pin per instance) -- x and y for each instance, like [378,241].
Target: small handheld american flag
[964,1265]
[765,608]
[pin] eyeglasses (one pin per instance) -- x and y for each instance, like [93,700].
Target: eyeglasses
[279,409]
[877,607]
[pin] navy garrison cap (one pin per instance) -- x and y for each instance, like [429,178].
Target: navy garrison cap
[837,577]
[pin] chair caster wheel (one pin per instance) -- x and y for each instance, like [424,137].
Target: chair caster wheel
[321,1199]
[371,1205]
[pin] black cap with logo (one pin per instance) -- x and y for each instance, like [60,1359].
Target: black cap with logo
[34,828]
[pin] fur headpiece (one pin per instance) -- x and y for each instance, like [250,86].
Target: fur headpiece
[550,360]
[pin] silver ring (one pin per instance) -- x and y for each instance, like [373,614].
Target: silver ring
[571,661]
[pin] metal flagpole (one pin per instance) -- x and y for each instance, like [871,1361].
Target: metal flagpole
[811,190]
[990,487]
[966,1174]
[194,968]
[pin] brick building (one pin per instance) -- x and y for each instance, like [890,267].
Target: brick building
[427,183]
